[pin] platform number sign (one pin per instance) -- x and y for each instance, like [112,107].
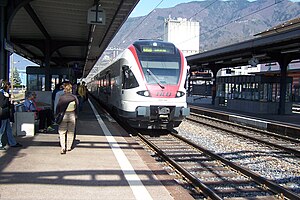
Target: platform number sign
[96,15]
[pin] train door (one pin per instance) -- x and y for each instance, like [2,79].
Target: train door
[108,87]
[128,82]
[125,70]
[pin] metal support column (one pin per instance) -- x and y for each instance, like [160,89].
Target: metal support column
[214,87]
[47,66]
[189,87]
[4,57]
[283,72]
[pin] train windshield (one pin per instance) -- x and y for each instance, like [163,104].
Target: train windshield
[161,69]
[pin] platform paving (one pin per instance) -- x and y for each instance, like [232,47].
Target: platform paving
[290,119]
[90,171]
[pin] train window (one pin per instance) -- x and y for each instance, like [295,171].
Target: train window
[128,78]
[167,72]
[109,83]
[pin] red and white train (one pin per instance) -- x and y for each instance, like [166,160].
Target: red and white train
[145,85]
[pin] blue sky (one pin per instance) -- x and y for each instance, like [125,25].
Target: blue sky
[144,7]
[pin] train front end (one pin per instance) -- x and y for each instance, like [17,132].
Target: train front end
[159,101]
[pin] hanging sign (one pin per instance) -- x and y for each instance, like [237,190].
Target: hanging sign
[96,15]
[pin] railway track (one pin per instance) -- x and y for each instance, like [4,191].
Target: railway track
[214,176]
[280,142]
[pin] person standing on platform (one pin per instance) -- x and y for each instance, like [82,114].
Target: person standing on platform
[75,88]
[67,109]
[58,94]
[6,107]
[82,92]
[56,89]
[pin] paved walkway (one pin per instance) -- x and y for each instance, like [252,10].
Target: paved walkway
[290,119]
[105,164]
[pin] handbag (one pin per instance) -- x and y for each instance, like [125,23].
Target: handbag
[59,117]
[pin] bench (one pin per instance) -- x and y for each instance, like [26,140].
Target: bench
[25,122]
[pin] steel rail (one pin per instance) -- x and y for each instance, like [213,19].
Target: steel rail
[280,147]
[248,128]
[291,130]
[197,183]
[271,185]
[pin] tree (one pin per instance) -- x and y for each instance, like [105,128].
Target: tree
[16,77]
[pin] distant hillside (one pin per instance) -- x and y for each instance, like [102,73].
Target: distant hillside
[221,22]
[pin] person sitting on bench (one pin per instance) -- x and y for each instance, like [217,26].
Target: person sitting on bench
[44,115]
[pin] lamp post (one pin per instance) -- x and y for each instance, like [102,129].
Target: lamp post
[12,76]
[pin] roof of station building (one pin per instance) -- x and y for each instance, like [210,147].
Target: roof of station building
[62,25]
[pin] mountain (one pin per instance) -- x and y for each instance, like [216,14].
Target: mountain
[221,22]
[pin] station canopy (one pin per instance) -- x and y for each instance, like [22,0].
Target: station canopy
[61,26]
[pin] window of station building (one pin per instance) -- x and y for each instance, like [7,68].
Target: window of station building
[296,96]
[248,91]
[35,82]
[226,90]
[288,97]
[274,92]
[262,91]
[243,91]
[54,81]
[255,91]
[267,92]
[220,90]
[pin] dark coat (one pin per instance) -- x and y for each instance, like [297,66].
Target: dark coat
[5,105]
[64,101]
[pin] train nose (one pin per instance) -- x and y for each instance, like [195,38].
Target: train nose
[163,111]
[163,114]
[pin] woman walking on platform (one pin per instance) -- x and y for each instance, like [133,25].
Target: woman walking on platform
[67,109]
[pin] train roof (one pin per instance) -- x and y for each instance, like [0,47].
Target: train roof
[159,45]
[138,45]
[152,42]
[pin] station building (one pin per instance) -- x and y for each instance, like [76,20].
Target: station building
[266,72]
[185,34]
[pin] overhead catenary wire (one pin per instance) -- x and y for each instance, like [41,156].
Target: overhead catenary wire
[234,20]
[210,4]
[140,23]
[164,33]
[241,18]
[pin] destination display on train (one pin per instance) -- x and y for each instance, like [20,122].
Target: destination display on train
[156,49]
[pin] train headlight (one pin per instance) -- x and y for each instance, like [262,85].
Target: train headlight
[180,94]
[144,93]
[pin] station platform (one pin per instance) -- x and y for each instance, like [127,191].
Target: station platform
[106,163]
[288,124]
